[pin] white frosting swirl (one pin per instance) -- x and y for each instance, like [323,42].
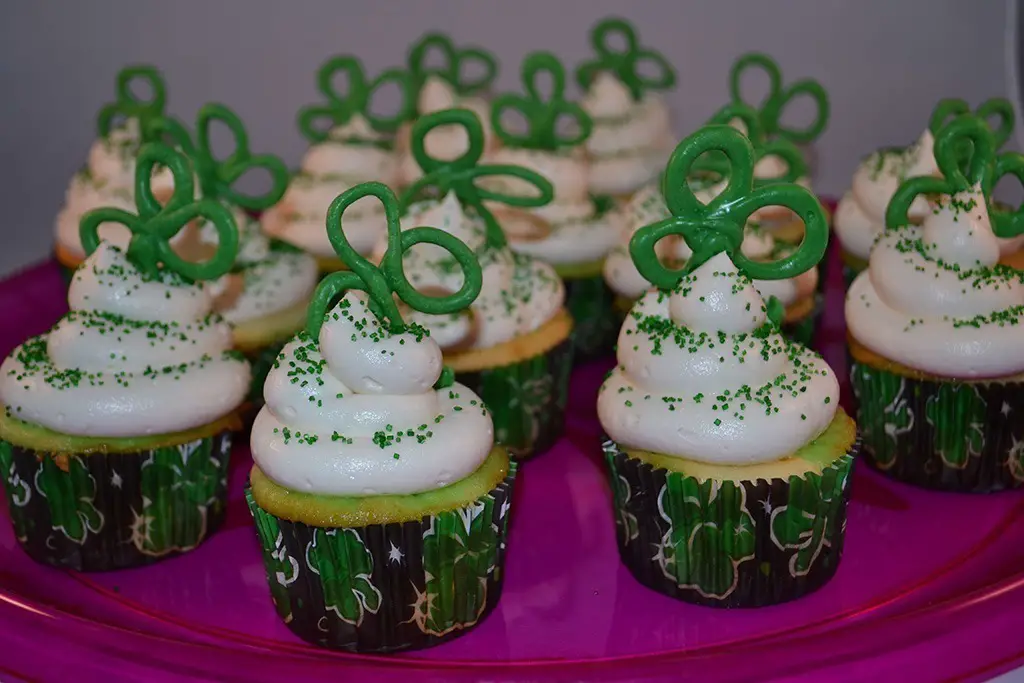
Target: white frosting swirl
[272,280]
[577,231]
[351,155]
[630,142]
[648,206]
[519,293]
[357,414]
[134,357]
[931,298]
[860,215]
[701,376]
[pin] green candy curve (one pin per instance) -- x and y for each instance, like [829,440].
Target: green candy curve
[154,225]
[717,164]
[459,175]
[779,97]
[541,114]
[454,60]
[999,107]
[965,152]
[382,283]
[340,108]
[218,177]
[126,104]
[718,225]
[624,63]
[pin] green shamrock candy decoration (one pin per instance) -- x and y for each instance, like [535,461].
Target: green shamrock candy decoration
[541,114]
[453,63]
[965,153]
[459,175]
[382,283]
[154,225]
[718,164]
[340,108]
[127,105]
[625,63]
[718,225]
[997,107]
[779,97]
[218,177]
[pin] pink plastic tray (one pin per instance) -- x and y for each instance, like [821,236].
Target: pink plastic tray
[931,587]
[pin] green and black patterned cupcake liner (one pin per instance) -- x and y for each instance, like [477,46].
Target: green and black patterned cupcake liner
[595,322]
[99,512]
[950,436]
[729,544]
[388,587]
[526,399]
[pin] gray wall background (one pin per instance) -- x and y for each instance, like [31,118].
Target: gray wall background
[884,62]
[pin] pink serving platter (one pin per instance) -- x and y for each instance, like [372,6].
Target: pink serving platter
[931,587]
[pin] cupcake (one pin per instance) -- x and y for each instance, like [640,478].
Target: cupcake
[860,215]
[771,112]
[448,86]
[513,345]
[350,145]
[729,455]
[117,423]
[264,297]
[632,136]
[708,180]
[575,231]
[380,500]
[107,179]
[934,326]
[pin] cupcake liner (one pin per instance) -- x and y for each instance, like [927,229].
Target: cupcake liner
[595,323]
[526,399]
[728,544]
[388,587]
[945,435]
[97,512]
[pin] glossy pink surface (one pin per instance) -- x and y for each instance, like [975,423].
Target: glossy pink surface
[931,587]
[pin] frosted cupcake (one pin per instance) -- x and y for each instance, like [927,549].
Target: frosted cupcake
[709,178]
[935,327]
[513,345]
[450,85]
[729,456]
[107,179]
[380,499]
[575,231]
[860,215]
[350,145]
[117,423]
[264,297]
[771,114]
[632,136]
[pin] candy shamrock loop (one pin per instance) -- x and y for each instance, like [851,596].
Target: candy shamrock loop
[717,226]
[154,225]
[965,154]
[719,165]
[459,175]
[452,67]
[382,283]
[996,107]
[779,97]
[128,105]
[340,108]
[542,114]
[217,177]
[624,63]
